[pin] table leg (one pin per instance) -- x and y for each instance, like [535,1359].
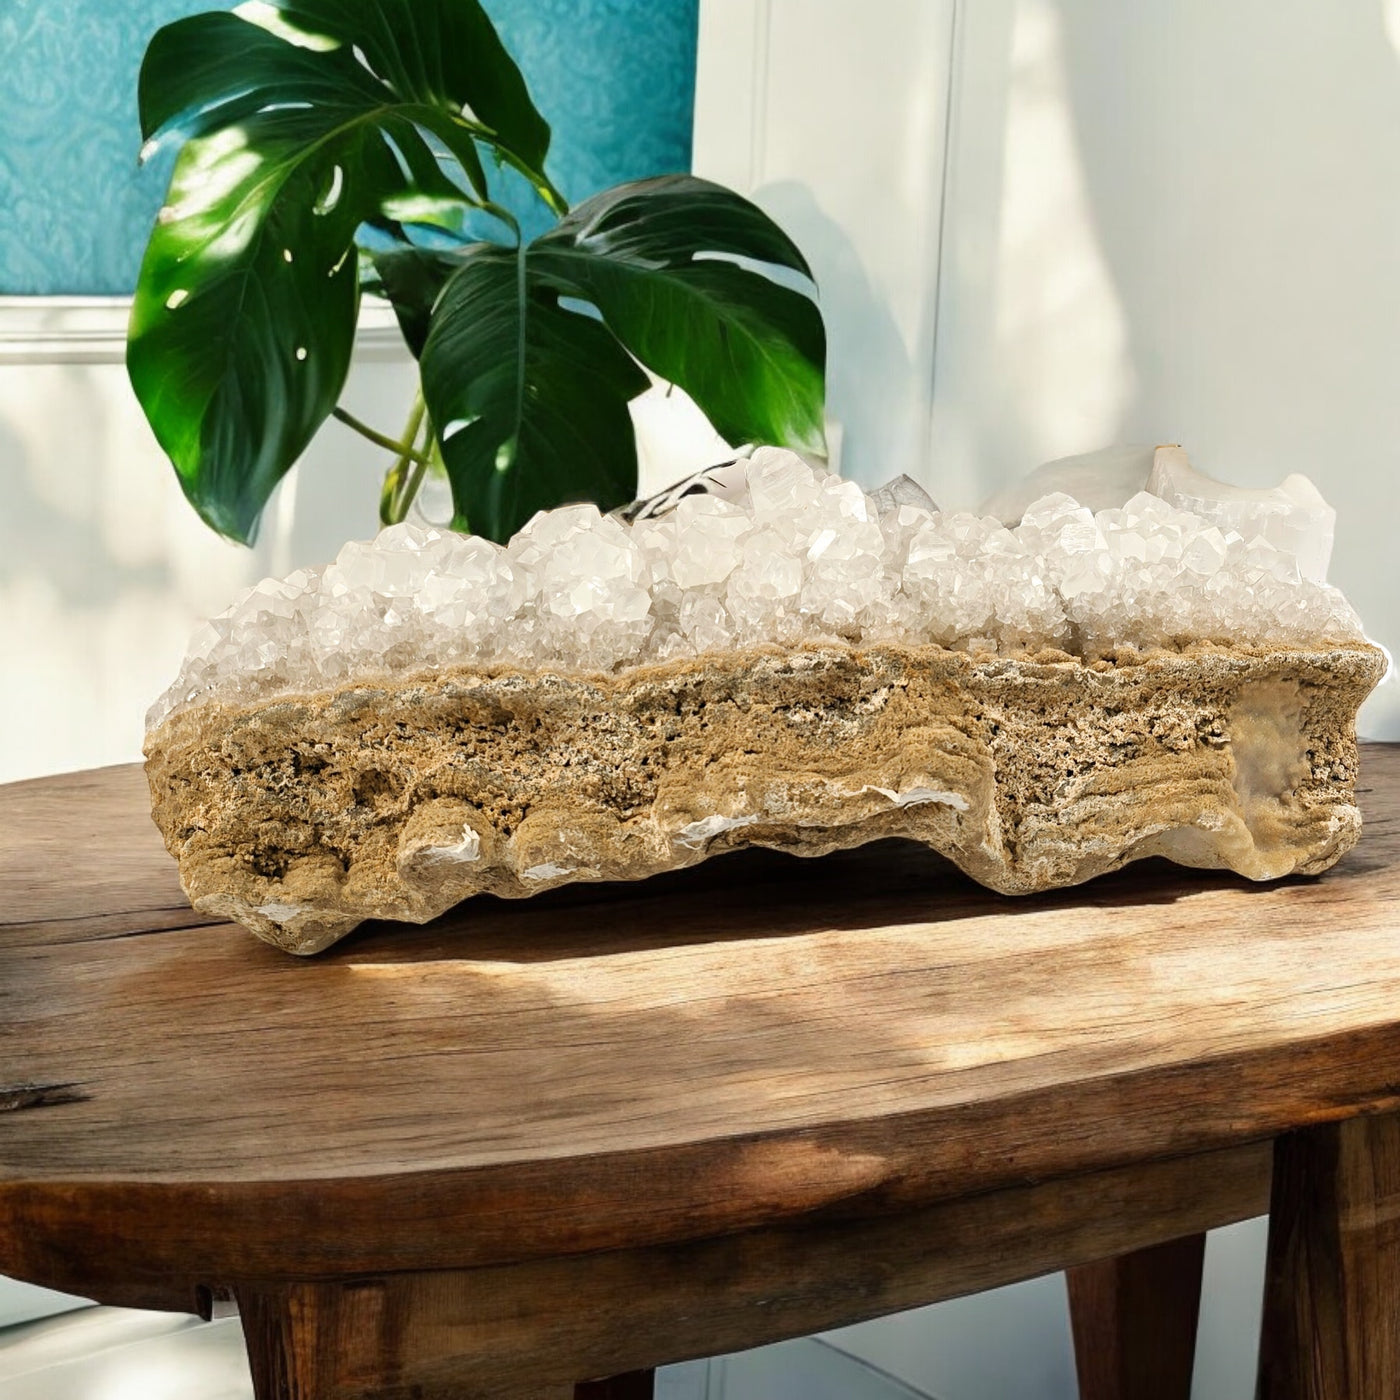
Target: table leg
[635,1385]
[1332,1282]
[341,1340]
[1134,1321]
[281,1329]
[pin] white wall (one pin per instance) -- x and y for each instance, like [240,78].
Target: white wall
[1041,226]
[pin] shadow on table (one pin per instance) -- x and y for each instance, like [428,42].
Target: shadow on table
[752,894]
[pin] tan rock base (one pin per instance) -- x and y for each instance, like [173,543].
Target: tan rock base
[300,817]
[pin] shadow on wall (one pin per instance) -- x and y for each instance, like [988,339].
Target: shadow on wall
[1033,357]
[868,379]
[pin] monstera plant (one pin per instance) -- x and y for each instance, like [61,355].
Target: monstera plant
[336,147]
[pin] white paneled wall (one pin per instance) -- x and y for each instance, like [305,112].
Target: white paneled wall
[1042,226]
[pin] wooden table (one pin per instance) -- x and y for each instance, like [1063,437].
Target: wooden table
[609,1128]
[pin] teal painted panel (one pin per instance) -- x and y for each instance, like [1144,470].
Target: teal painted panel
[615,78]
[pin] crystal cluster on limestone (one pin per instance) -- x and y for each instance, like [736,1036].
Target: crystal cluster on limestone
[767,655]
[784,554]
[1291,516]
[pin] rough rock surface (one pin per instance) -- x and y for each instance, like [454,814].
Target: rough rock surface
[301,816]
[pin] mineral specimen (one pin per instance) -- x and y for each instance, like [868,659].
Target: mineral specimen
[788,662]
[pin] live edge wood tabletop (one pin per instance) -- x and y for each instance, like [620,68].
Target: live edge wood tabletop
[535,1144]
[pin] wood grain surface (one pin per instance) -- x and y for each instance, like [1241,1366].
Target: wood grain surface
[1134,1320]
[756,1041]
[1332,1281]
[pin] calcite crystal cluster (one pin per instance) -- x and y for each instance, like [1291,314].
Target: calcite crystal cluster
[786,556]
[770,656]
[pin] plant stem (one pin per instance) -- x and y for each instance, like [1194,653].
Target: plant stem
[500,212]
[420,470]
[544,186]
[393,503]
[402,449]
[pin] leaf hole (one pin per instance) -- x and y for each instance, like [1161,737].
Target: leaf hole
[580,307]
[331,198]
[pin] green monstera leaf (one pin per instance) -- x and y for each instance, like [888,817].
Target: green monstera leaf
[653,257]
[531,394]
[411,280]
[443,53]
[302,123]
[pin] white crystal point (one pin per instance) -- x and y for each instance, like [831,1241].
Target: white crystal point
[780,484]
[1099,480]
[708,532]
[1292,516]
[901,491]
[764,454]
[1068,538]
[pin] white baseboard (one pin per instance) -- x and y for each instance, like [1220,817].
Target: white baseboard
[92,330]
